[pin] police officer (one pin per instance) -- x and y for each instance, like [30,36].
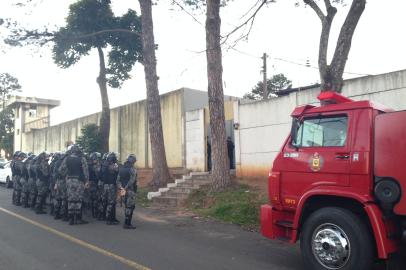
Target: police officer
[32,181]
[127,184]
[94,177]
[13,173]
[61,197]
[75,168]
[52,201]
[109,178]
[43,175]
[19,173]
[24,182]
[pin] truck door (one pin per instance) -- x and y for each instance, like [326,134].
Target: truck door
[318,155]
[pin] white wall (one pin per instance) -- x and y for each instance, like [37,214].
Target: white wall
[264,125]
[195,140]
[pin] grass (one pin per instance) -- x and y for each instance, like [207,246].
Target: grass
[141,197]
[239,204]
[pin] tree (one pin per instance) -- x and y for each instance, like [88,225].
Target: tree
[7,131]
[160,166]
[220,168]
[90,140]
[91,24]
[274,85]
[331,75]
[8,85]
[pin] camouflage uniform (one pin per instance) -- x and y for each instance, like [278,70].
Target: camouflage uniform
[61,196]
[24,184]
[109,176]
[52,182]
[94,177]
[77,173]
[18,179]
[127,180]
[14,174]
[43,175]
[32,179]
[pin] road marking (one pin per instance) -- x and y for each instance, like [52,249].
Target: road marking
[123,260]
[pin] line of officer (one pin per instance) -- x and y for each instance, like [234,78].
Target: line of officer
[66,178]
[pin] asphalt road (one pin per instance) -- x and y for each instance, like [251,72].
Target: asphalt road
[162,241]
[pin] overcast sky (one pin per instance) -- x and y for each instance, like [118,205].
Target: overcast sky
[287,33]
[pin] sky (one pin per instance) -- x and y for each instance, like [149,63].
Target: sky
[288,34]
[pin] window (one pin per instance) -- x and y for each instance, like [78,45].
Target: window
[322,132]
[33,111]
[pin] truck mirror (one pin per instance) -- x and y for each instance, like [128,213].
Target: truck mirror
[293,131]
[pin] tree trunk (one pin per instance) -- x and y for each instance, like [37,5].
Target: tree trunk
[160,169]
[105,114]
[220,163]
[331,76]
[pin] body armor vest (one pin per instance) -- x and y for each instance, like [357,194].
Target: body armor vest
[75,169]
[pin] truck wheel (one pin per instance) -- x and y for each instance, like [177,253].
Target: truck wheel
[336,239]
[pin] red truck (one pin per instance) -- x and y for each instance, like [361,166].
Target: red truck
[338,184]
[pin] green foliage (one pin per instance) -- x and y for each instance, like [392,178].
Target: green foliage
[274,85]
[141,198]
[7,130]
[90,140]
[239,204]
[8,85]
[92,24]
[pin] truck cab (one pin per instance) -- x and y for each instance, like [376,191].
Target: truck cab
[337,183]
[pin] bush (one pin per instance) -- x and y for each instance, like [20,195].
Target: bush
[90,140]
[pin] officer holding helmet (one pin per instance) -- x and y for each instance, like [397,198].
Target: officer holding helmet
[127,184]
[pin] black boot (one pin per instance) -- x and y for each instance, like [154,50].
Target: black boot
[51,209]
[79,219]
[128,224]
[114,219]
[32,204]
[71,219]
[26,205]
[39,210]
[57,214]
[13,199]
[65,217]
[18,198]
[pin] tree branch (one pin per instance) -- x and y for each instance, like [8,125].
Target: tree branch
[316,8]
[247,21]
[344,39]
[328,4]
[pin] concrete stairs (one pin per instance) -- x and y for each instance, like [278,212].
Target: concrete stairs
[176,193]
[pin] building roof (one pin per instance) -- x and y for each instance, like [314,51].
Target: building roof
[14,100]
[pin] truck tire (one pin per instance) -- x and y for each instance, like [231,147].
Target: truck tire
[336,239]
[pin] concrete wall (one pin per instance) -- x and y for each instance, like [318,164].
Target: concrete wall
[195,141]
[128,132]
[264,125]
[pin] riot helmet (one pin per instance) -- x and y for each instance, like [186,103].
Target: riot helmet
[131,159]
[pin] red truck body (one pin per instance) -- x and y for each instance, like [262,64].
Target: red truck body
[346,149]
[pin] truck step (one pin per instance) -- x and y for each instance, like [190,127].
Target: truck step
[285,224]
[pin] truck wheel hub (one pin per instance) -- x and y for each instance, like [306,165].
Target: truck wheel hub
[331,246]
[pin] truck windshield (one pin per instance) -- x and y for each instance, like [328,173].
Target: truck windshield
[322,132]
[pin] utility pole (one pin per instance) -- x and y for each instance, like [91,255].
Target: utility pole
[265,84]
